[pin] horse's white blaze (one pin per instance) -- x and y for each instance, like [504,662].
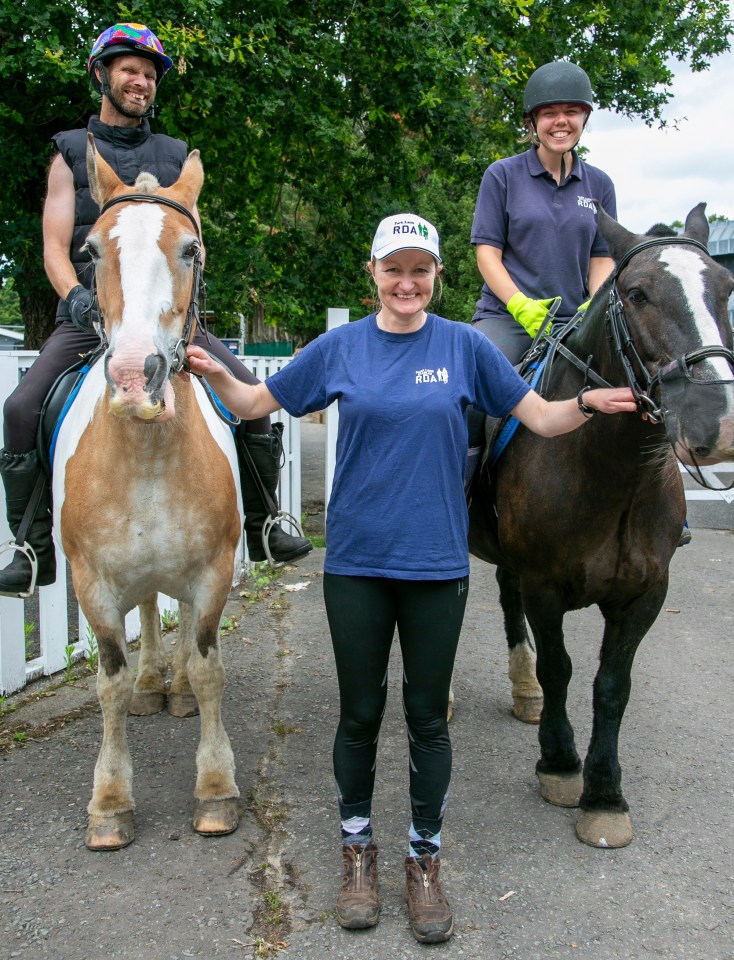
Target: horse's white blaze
[145,275]
[76,422]
[688,268]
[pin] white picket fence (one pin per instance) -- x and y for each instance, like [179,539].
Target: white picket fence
[53,618]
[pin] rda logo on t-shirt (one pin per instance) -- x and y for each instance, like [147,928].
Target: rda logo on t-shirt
[432,376]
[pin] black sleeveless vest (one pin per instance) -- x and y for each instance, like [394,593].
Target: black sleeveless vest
[129,151]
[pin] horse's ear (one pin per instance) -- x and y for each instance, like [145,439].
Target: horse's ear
[619,240]
[189,184]
[103,181]
[697,226]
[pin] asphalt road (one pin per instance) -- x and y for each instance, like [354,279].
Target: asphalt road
[521,884]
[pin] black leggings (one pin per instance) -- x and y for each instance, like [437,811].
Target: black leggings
[22,409]
[363,613]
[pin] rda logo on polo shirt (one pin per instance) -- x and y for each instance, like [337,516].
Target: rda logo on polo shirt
[432,376]
[586,202]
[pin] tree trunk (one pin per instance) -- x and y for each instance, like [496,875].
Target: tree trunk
[38,309]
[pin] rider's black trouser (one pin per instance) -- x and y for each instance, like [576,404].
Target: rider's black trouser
[63,348]
[363,613]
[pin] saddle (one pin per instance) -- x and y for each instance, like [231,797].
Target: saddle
[57,404]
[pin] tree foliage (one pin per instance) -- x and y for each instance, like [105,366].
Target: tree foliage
[315,119]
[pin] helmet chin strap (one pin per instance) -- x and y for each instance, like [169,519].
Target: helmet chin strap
[563,155]
[107,92]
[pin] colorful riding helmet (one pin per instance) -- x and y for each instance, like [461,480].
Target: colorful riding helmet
[127,38]
[557,82]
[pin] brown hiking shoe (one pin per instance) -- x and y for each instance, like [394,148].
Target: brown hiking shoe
[357,905]
[430,915]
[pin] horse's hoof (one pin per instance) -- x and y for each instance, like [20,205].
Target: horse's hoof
[146,702]
[561,789]
[527,709]
[216,817]
[109,833]
[182,705]
[604,828]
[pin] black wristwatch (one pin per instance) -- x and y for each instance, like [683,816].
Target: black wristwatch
[588,412]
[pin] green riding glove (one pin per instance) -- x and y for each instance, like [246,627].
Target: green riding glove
[530,314]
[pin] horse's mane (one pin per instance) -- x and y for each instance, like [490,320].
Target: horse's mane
[146,183]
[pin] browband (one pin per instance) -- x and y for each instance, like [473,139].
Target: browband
[152,198]
[655,242]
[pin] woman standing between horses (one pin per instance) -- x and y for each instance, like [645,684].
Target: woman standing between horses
[535,225]
[397,534]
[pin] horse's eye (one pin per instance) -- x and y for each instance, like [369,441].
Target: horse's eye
[92,250]
[636,295]
[191,251]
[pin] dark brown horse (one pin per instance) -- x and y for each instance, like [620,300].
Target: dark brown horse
[594,516]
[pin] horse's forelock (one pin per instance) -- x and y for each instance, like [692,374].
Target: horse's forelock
[146,183]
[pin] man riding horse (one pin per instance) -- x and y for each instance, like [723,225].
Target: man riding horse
[126,64]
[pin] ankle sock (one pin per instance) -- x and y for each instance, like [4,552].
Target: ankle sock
[356,832]
[423,841]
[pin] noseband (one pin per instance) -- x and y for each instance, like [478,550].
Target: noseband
[198,288]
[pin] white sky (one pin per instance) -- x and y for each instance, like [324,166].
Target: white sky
[659,175]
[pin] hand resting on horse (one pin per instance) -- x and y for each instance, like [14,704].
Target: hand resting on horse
[552,418]
[247,402]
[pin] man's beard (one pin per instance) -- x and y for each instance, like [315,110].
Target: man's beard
[130,112]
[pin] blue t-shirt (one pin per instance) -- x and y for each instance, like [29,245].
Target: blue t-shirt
[547,233]
[397,506]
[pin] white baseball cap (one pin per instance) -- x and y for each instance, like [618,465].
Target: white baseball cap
[405,231]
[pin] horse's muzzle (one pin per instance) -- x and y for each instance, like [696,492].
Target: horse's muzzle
[140,387]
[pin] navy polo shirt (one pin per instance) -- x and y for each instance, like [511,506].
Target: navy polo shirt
[547,233]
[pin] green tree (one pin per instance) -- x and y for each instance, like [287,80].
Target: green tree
[9,305]
[315,119]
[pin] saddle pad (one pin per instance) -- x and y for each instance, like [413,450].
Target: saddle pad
[56,406]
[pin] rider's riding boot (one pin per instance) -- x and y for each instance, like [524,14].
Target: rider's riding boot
[265,451]
[20,472]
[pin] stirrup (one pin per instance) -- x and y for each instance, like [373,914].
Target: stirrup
[268,525]
[27,550]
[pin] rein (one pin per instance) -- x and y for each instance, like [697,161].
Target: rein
[198,288]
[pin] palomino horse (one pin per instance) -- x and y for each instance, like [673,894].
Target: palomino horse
[594,517]
[146,491]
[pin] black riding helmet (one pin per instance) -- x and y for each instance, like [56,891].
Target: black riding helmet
[557,82]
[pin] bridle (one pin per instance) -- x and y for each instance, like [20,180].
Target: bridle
[194,312]
[643,385]
[626,351]
[623,346]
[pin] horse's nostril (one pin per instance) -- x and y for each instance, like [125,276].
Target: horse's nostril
[155,369]
[152,366]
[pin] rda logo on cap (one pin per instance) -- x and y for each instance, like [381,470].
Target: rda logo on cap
[405,231]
